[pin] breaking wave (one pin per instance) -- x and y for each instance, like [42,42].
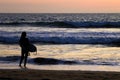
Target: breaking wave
[64,37]
[65,24]
[52,61]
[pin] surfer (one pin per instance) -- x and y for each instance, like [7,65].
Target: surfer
[24,44]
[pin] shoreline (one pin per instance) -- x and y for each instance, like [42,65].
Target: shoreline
[11,66]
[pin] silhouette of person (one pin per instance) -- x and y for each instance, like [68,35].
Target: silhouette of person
[24,44]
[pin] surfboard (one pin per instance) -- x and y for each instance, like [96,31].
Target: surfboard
[32,48]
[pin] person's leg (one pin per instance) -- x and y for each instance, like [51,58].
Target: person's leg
[26,56]
[22,57]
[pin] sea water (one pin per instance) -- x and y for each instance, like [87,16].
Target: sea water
[87,39]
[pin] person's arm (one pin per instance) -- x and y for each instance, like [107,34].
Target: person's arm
[20,43]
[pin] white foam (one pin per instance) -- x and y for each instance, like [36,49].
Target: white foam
[61,36]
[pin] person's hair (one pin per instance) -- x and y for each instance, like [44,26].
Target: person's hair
[23,34]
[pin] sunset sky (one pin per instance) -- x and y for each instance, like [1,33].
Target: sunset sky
[59,6]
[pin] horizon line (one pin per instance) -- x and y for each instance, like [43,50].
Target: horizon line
[59,13]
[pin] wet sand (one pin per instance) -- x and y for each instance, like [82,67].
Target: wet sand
[29,74]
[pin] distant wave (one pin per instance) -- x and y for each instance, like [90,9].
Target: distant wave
[62,20]
[66,24]
[57,24]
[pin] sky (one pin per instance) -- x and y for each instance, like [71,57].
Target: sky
[59,6]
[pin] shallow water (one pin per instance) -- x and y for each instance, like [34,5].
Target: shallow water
[82,54]
[62,67]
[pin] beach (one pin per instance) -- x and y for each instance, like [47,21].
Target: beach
[29,74]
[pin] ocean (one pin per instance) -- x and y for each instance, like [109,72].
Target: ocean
[62,39]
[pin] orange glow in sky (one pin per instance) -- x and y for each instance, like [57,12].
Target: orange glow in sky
[60,6]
